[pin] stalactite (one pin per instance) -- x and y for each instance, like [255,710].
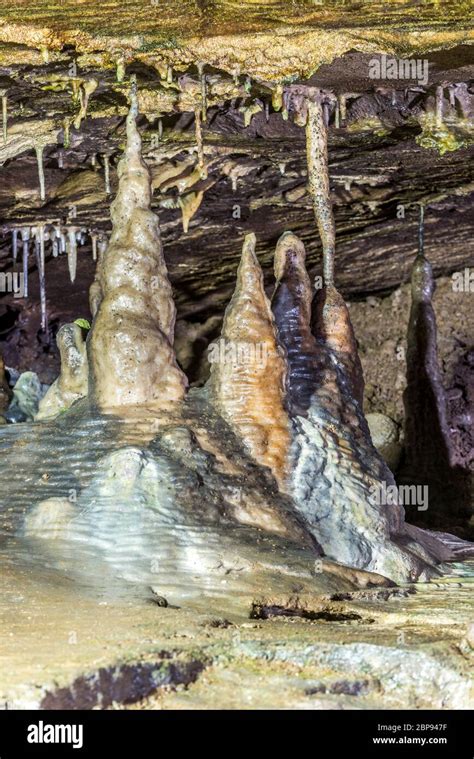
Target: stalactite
[203,84]
[342,107]
[25,237]
[160,128]
[248,369]
[5,118]
[87,88]
[66,131]
[249,111]
[189,205]
[39,160]
[199,143]
[439,105]
[39,237]
[94,245]
[15,243]
[120,69]
[318,181]
[107,173]
[60,159]
[72,252]
[277,97]
[337,116]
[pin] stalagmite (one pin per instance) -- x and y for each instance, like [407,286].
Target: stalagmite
[318,181]
[248,370]
[131,354]
[39,159]
[428,455]
[25,237]
[72,252]
[72,382]
[60,159]
[107,173]
[291,306]
[5,117]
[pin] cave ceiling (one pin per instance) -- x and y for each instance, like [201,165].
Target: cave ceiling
[65,72]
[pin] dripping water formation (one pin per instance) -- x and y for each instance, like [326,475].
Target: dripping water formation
[236,365]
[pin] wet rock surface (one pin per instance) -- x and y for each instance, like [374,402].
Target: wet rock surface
[374,649]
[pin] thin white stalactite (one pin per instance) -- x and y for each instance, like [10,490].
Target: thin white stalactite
[72,252]
[5,118]
[39,160]
[107,173]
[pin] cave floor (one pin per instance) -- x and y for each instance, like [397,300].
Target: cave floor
[63,647]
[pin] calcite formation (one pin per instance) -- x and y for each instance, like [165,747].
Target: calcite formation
[276,445]
[131,354]
[248,375]
[72,383]
[429,455]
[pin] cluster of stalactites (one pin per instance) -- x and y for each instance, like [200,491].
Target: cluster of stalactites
[56,239]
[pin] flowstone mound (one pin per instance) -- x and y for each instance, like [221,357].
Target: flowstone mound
[256,488]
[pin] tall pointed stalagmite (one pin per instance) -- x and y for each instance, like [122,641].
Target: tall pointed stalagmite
[291,305]
[248,370]
[131,352]
[337,479]
[428,456]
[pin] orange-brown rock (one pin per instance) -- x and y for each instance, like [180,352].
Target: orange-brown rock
[248,369]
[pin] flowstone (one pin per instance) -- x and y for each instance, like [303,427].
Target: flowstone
[257,488]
